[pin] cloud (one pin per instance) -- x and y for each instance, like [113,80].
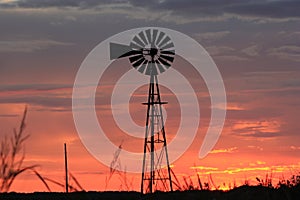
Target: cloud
[260,162]
[256,8]
[257,129]
[255,147]
[188,9]
[288,52]
[225,53]
[273,83]
[228,150]
[8,115]
[230,107]
[37,100]
[259,166]
[295,148]
[7,1]
[51,3]
[251,50]
[43,96]
[37,87]
[265,8]
[219,50]
[232,58]
[288,35]
[28,46]
[234,170]
[205,168]
[211,36]
[89,172]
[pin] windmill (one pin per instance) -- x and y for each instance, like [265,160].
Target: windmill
[151,52]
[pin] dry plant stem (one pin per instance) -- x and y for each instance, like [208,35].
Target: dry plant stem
[176,181]
[212,182]
[116,168]
[114,165]
[71,187]
[199,181]
[76,181]
[42,179]
[198,178]
[12,156]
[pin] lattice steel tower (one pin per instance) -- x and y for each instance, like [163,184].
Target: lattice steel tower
[151,52]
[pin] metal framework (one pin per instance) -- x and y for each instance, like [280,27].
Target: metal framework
[156,172]
[151,52]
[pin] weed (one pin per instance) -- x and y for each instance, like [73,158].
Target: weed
[12,156]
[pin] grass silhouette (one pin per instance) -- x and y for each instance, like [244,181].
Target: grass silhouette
[12,156]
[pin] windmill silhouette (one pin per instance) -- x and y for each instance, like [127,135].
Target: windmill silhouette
[151,52]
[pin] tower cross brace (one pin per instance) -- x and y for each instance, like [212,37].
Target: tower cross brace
[155,176]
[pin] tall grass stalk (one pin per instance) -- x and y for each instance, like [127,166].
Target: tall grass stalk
[117,169]
[12,155]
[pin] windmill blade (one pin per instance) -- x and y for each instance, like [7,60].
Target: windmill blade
[138,41]
[159,66]
[131,53]
[169,58]
[155,31]
[138,62]
[168,46]
[143,37]
[148,70]
[160,36]
[151,69]
[165,63]
[148,33]
[135,46]
[143,66]
[165,41]
[135,58]
[172,52]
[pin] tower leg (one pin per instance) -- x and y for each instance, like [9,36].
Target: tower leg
[155,176]
[164,135]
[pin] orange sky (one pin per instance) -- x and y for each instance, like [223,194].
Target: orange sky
[239,155]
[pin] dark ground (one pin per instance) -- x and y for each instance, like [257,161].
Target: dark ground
[240,193]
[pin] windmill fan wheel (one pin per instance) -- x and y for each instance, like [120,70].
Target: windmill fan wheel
[154,52]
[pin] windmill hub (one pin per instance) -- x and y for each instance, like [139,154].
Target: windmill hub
[151,54]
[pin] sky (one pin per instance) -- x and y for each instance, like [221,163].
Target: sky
[255,45]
